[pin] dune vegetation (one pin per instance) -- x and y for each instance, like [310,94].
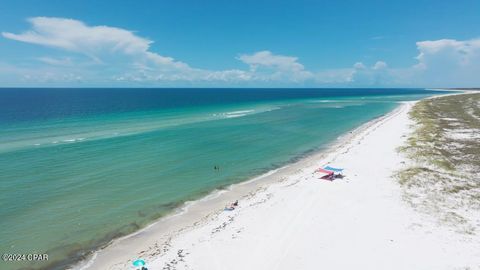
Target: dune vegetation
[442,177]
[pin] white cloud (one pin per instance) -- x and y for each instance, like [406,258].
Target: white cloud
[123,56]
[334,77]
[268,59]
[12,75]
[441,63]
[460,53]
[359,65]
[264,65]
[66,61]
[92,41]
[128,57]
[379,65]
[448,62]
[73,35]
[377,75]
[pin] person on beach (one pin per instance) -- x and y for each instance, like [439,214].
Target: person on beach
[232,206]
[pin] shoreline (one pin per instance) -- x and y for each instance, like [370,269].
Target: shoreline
[195,213]
[361,221]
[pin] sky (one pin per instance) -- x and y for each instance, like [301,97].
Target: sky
[220,43]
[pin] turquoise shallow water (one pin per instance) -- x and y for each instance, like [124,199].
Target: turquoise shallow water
[76,172]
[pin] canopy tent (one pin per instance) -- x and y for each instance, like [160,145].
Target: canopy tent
[337,170]
[324,172]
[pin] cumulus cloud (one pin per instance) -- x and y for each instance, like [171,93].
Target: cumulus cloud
[268,59]
[12,75]
[128,57]
[334,77]
[93,41]
[440,63]
[138,63]
[265,65]
[359,65]
[448,62]
[462,49]
[379,65]
[75,36]
[376,75]
[124,56]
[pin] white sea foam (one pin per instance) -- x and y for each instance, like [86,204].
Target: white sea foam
[322,101]
[73,140]
[240,112]
[235,115]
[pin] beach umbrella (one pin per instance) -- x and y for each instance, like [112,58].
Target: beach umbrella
[138,263]
[323,171]
[338,170]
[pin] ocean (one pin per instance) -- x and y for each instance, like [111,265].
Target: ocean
[80,167]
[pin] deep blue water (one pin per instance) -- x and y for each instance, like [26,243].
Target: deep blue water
[29,104]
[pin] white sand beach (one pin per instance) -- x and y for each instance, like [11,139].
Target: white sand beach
[290,219]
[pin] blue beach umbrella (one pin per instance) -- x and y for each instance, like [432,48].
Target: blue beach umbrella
[338,170]
[138,263]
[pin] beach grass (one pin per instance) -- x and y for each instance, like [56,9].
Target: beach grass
[443,176]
